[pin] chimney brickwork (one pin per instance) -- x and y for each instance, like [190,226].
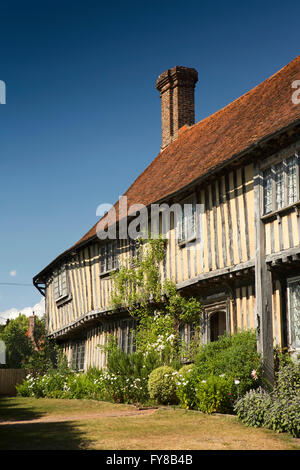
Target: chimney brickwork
[176,87]
[30,332]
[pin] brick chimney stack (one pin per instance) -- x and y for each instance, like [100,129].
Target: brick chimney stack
[176,87]
[30,332]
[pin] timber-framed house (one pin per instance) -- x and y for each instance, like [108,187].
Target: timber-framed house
[241,164]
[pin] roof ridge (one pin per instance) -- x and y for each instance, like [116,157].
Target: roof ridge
[251,91]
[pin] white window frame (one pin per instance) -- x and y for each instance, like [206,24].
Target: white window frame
[109,257]
[61,283]
[181,228]
[285,202]
[292,347]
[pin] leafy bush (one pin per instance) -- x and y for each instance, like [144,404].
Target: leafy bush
[186,370]
[127,375]
[24,389]
[186,387]
[162,385]
[234,356]
[215,394]
[49,385]
[288,381]
[251,408]
[284,416]
[71,385]
[124,381]
[278,410]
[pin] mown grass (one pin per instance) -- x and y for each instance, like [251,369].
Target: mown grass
[166,428]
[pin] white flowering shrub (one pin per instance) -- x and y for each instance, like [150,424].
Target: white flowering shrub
[58,385]
[186,387]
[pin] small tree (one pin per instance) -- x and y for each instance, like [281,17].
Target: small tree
[21,352]
[18,346]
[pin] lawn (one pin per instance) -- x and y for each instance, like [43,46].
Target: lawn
[29,423]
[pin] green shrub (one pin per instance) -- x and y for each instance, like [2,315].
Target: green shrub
[278,410]
[214,394]
[24,389]
[251,408]
[234,356]
[71,385]
[288,381]
[127,375]
[186,384]
[284,416]
[88,385]
[186,370]
[162,385]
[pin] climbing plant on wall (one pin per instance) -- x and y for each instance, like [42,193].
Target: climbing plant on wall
[158,307]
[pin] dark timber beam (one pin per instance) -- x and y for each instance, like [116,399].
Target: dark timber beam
[263,283]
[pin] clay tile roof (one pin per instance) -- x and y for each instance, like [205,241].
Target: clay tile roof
[262,111]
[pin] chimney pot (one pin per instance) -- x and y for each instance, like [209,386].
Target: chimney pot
[176,87]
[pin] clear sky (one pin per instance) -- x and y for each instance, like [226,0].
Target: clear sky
[82,118]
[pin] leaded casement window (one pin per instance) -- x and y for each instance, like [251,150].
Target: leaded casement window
[61,284]
[294,313]
[78,355]
[281,184]
[127,336]
[292,187]
[109,256]
[186,223]
[187,334]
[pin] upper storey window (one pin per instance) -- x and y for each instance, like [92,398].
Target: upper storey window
[281,184]
[61,285]
[186,224]
[109,259]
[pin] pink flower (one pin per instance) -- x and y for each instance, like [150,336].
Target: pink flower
[229,393]
[254,374]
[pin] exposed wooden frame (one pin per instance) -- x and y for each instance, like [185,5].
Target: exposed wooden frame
[263,282]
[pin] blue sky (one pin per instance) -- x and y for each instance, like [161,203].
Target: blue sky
[82,118]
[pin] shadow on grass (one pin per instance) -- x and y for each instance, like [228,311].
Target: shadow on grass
[14,435]
[10,410]
[42,436]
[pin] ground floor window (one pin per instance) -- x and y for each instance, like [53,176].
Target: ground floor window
[187,334]
[294,313]
[127,336]
[78,355]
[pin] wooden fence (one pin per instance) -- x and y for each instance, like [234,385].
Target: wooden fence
[9,378]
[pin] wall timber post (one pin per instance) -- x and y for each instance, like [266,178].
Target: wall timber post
[263,283]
